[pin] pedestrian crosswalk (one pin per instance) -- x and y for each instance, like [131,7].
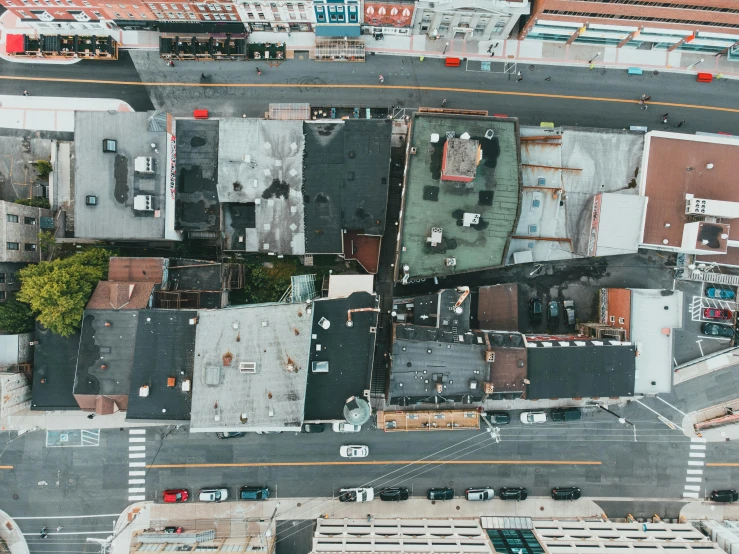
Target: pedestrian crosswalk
[136,464]
[695,468]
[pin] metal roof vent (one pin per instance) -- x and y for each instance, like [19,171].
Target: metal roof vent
[247,367]
[324,323]
[357,411]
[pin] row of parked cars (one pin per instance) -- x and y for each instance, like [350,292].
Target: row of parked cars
[216,494]
[397,494]
[536,312]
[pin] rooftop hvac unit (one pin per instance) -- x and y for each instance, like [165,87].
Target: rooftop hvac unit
[436,234]
[144,164]
[707,207]
[489,356]
[489,388]
[186,385]
[248,367]
[473,384]
[143,203]
[144,391]
[451,262]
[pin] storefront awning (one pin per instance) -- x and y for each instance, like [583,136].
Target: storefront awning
[15,44]
[337,30]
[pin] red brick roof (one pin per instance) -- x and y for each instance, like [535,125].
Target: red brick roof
[136,269]
[113,295]
[497,307]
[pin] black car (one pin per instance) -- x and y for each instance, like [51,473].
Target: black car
[717,330]
[499,418]
[725,495]
[566,493]
[536,309]
[312,428]
[442,493]
[565,414]
[394,494]
[230,435]
[553,312]
[513,493]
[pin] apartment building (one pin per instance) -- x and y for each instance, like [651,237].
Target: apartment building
[468,19]
[19,227]
[277,16]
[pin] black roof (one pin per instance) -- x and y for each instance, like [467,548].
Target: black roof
[165,343]
[194,274]
[349,352]
[55,361]
[345,183]
[581,369]
[196,200]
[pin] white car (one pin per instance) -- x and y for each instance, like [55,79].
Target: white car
[342,427]
[357,495]
[354,451]
[213,495]
[533,417]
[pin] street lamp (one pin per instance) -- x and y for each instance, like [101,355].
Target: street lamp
[446,45]
[593,58]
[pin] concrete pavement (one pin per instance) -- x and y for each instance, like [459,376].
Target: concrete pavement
[11,534]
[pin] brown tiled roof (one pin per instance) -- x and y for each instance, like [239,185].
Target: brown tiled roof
[136,269]
[730,258]
[619,305]
[508,370]
[366,250]
[111,295]
[676,167]
[497,307]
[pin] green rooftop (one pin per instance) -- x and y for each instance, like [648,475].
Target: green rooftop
[429,202]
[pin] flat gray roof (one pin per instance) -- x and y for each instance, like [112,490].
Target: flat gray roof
[228,395]
[261,162]
[110,176]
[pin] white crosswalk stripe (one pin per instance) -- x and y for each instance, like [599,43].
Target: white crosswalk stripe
[136,464]
[136,448]
[695,463]
[690,495]
[695,472]
[694,479]
[135,498]
[136,481]
[137,478]
[136,473]
[137,431]
[697,439]
[697,454]
[692,488]
[137,439]
[697,446]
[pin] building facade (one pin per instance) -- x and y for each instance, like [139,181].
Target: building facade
[389,18]
[19,227]
[708,26]
[9,282]
[278,16]
[469,19]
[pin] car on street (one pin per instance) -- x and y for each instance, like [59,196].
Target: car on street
[513,493]
[565,493]
[717,330]
[354,451]
[342,427]
[230,435]
[175,495]
[359,494]
[312,428]
[536,309]
[552,312]
[213,495]
[568,309]
[499,418]
[254,493]
[724,495]
[717,313]
[533,417]
[394,494]
[724,294]
[484,493]
[565,414]
[440,493]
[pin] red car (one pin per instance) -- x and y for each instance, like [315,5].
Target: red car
[716,313]
[175,495]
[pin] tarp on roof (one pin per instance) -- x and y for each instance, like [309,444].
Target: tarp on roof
[15,44]
[337,30]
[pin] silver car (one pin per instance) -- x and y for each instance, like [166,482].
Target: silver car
[484,493]
[213,495]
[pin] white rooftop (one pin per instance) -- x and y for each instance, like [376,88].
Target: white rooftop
[340,286]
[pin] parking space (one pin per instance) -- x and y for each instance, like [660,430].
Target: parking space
[583,296]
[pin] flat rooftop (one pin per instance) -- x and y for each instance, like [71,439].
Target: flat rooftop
[165,342]
[136,269]
[54,363]
[110,177]
[429,203]
[497,307]
[260,178]
[251,366]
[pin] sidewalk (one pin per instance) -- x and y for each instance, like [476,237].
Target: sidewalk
[145,515]
[11,534]
[63,420]
[709,510]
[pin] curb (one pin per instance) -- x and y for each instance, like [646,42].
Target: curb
[11,534]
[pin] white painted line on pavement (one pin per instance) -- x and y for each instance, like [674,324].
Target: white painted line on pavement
[671,406]
[52,534]
[697,454]
[697,446]
[130,464]
[143,455]
[136,481]
[690,462]
[698,439]
[690,495]
[141,489]
[694,479]
[136,448]
[65,517]
[695,472]
[134,498]
[136,439]
[687,488]
[135,473]
[137,431]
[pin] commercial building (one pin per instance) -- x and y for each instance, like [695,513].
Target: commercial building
[468,20]
[388,17]
[710,27]
[54,368]
[277,16]
[19,229]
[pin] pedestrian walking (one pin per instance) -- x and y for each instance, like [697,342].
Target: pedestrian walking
[648,98]
[59,528]
[259,71]
[26,93]
[681,123]
[444,102]
[664,118]
[643,97]
[592,66]
[490,49]
[548,79]
[520,77]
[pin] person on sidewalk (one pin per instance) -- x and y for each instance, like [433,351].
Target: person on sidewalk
[664,118]
[520,77]
[26,93]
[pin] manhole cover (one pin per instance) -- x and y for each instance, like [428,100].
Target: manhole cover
[299,504]
[433,502]
[457,507]
[541,508]
[15,497]
[70,481]
[655,72]
[531,68]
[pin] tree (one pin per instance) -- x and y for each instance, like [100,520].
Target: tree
[58,291]
[35,202]
[16,317]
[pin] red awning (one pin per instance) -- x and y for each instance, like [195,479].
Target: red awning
[14,44]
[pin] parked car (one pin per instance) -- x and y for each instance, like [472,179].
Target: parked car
[213,495]
[513,493]
[254,493]
[440,493]
[485,493]
[313,428]
[726,294]
[394,494]
[342,427]
[499,418]
[533,417]
[175,495]
[566,493]
[553,312]
[565,414]
[717,313]
[717,330]
[354,451]
[230,435]
[359,494]
[725,495]
[568,309]
[536,309]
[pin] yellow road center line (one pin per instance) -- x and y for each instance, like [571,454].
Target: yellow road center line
[378,87]
[723,464]
[380,463]
[6,467]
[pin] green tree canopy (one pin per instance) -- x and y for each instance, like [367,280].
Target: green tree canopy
[58,291]
[16,317]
